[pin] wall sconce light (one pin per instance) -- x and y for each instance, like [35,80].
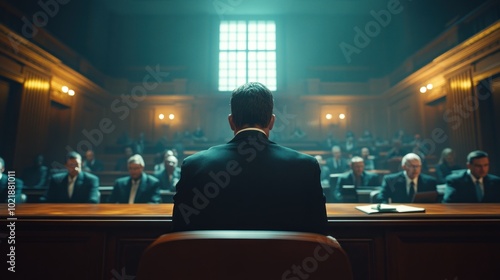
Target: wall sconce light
[171,116]
[67,90]
[328,116]
[161,116]
[424,89]
[342,116]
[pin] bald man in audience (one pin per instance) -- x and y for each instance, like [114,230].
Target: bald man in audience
[337,163]
[138,187]
[473,185]
[74,185]
[401,187]
[170,174]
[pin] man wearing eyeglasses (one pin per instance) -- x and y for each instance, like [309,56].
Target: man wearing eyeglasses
[401,187]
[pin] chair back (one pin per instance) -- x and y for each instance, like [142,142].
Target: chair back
[227,254]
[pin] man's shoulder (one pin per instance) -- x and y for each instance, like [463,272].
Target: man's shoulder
[428,178]
[152,179]
[122,180]
[90,176]
[59,175]
[493,178]
[456,177]
[394,176]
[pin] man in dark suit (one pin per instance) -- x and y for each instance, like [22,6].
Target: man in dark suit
[36,176]
[170,175]
[473,185]
[75,185]
[356,177]
[91,164]
[337,163]
[10,193]
[139,187]
[401,187]
[250,183]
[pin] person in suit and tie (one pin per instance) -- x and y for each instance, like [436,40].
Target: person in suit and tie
[91,164]
[401,187]
[10,192]
[473,185]
[73,186]
[356,177]
[337,163]
[250,183]
[138,187]
[170,174]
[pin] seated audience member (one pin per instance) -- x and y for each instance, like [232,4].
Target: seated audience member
[325,171]
[91,164]
[337,163]
[170,174]
[329,141]
[473,185]
[357,177]
[9,193]
[397,151]
[122,163]
[74,185]
[368,159]
[138,187]
[401,187]
[366,138]
[250,183]
[350,146]
[140,143]
[402,137]
[199,135]
[36,176]
[446,165]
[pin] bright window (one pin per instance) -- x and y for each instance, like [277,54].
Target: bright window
[247,53]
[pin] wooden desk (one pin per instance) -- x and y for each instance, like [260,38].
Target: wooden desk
[105,241]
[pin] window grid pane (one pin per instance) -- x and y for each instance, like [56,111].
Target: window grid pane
[247,53]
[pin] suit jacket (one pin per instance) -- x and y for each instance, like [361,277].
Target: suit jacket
[342,167]
[4,189]
[460,188]
[96,166]
[250,183]
[394,187]
[165,183]
[86,188]
[367,179]
[36,176]
[147,192]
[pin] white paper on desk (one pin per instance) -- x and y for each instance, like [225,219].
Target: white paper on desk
[399,209]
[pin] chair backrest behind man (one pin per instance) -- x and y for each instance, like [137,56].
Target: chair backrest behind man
[229,254]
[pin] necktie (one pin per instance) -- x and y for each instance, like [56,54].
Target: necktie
[71,186]
[411,193]
[479,191]
[133,191]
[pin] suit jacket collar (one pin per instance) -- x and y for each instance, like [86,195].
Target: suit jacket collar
[245,135]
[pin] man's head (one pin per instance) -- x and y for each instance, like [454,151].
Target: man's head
[357,166]
[252,106]
[336,152]
[89,155]
[170,162]
[478,163]
[135,166]
[128,151]
[365,152]
[412,164]
[73,163]
[2,165]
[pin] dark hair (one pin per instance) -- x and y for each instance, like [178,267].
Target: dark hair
[73,155]
[475,155]
[252,105]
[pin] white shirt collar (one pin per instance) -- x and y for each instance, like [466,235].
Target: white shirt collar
[474,179]
[251,128]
